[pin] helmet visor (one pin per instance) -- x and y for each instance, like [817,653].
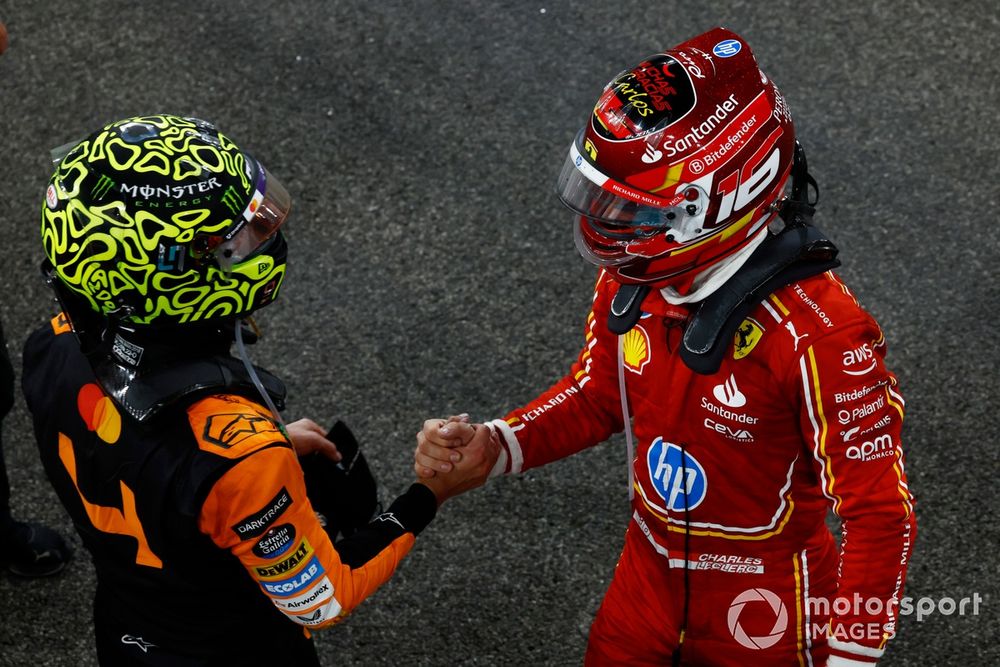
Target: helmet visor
[620,214]
[264,214]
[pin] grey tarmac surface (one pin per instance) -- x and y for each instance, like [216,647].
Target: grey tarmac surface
[433,270]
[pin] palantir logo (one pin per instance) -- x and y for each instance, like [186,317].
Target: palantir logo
[729,394]
[756,595]
[676,475]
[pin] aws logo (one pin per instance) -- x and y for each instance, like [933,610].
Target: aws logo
[748,334]
[636,352]
[857,356]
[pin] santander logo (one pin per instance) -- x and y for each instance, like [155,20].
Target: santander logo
[729,394]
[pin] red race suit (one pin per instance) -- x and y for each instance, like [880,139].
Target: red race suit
[728,554]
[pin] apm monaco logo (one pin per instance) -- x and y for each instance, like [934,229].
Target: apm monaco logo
[635,349]
[761,600]
[729,394]
[881,447]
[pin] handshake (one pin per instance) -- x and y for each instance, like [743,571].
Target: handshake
[452,455]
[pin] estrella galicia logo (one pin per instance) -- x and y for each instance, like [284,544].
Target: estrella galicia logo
[275,542]
[258,522]
[303,579]
[727,48]
[676,475]
[288,565]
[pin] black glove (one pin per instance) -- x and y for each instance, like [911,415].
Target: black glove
[344,494]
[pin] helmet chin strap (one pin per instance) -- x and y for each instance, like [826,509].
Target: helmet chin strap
[252,372]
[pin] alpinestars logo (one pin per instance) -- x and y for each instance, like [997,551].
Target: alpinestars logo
[230,429]
[729,394]
[138,641]
[389,516]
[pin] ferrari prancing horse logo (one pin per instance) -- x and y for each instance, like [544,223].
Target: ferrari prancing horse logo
[747,336]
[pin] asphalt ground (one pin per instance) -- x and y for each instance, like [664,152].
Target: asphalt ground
[433,270]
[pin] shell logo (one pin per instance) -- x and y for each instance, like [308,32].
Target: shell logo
[99,413]
[635,349]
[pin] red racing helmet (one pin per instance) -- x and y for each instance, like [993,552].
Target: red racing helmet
[683,163]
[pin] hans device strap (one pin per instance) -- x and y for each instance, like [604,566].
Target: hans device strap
[143,394]
[794,254]
[626,308]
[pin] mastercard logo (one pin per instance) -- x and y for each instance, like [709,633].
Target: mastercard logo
[99,413]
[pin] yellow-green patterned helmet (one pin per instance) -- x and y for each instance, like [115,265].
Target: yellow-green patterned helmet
[161,220]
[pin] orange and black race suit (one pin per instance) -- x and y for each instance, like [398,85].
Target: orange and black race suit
[727,551]
[206,547]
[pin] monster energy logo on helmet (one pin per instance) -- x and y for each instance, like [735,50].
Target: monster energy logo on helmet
[104,184]
[232,200]
[103,233]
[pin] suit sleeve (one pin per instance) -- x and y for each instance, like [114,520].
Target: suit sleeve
[258,510]
[579,411]
[852,418]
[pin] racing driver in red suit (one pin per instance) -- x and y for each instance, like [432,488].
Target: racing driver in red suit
[754,381]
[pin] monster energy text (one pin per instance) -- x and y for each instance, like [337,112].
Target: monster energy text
[175,203]
[170,191]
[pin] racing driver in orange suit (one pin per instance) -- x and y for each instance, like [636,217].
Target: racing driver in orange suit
[168,452]
[755,381]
